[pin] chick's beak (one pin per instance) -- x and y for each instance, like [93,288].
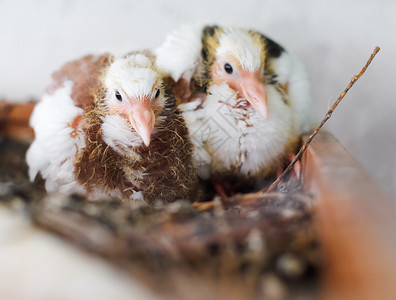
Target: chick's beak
[254,91]
[142,118]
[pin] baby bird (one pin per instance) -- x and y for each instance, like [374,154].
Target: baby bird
[245,99]
[109,128]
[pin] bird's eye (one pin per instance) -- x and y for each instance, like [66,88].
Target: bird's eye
[157,93]
[118,96]
[228,68]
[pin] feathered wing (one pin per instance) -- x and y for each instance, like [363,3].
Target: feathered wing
[86,75]
[58,118]
[53,150]
[291,71]
[180,53]
[300,93]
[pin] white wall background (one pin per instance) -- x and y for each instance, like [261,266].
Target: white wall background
[333,38]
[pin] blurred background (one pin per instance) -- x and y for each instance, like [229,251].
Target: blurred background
[333,39]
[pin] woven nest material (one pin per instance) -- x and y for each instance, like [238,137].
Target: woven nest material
[262,241]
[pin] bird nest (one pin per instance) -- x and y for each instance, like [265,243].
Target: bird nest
[257,243]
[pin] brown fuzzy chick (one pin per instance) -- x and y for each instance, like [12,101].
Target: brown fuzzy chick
[109,128]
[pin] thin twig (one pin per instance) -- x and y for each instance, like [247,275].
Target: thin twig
[327,116]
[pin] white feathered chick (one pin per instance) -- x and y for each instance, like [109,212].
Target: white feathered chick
[245,99]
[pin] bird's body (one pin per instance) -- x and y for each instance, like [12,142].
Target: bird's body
[231,139]
[248,99]
[108,128]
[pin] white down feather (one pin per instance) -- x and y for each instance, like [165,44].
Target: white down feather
[180,52]
[53,151]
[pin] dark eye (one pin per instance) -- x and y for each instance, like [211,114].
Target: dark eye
[118,96]
[157,93]
[228,68]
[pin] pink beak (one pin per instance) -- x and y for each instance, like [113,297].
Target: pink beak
[254,92]
[142,118]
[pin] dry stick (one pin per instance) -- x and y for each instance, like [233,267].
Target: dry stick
[328,115]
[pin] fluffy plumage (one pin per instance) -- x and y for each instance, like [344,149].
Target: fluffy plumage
[109,127]
[248,99]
